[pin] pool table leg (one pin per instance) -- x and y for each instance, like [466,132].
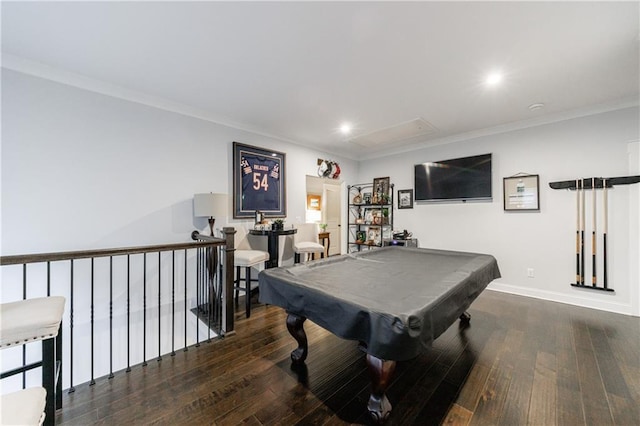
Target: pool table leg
[381,372]
[295,326]
[465,317]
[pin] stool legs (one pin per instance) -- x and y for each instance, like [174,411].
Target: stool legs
[307,257]
[247,288]
[236,285]
[58,368]
[247,291]
[48,379]
[52,375]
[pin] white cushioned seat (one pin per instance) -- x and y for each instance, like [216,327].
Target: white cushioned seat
[24,407]
[29,320]
[306,241]
[308,247]
[249,257]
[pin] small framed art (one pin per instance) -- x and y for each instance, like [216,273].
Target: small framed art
[521,193]
[314,202]
[405,198]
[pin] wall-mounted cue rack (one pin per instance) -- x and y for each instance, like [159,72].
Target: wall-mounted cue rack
[580,186]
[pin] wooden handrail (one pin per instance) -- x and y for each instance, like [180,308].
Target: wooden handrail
[83,254]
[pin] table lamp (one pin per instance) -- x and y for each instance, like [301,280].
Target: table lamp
[210,205]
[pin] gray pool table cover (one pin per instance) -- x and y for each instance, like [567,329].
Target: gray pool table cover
[395,300]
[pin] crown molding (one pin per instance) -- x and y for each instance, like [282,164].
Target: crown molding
[47,72]
[615,105]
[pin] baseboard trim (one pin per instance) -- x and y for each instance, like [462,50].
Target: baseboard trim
[575,300]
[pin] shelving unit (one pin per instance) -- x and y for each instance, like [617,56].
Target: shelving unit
[369,217]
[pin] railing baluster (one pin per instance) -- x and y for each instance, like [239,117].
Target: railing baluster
[186,348]
[220,289]
[209,281]
[71,309]
[110,317]
[48,279]
[198,281]
[144,311]
[173,303]
[24,347]
[128,313]
[159,305]
[93,381]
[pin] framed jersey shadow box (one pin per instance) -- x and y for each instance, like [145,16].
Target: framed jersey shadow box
[258,182]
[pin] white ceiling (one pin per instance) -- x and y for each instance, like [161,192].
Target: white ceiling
[298,70]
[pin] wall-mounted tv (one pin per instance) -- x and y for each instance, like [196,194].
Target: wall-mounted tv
[459,179]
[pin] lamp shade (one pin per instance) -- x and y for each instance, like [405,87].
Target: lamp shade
[209,205]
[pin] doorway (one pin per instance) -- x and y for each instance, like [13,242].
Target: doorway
[330,211]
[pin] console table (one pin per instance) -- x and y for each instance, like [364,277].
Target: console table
[324,236]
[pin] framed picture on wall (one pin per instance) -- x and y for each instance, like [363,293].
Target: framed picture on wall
[258,182]
[521,193]
[314,202]
[405,198]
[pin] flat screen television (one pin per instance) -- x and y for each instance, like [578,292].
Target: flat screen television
[459,179]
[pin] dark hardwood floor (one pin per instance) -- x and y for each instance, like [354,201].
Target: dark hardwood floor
[520,361]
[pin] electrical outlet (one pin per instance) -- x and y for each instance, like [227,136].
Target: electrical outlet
[530,272]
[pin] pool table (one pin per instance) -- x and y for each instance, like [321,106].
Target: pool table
[395,301]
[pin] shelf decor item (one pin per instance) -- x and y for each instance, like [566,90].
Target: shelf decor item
[385,215]
[380,190]
[370,214]
[258,182]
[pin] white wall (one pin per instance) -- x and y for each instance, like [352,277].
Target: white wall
[634,229]
[82,170]
[592,146]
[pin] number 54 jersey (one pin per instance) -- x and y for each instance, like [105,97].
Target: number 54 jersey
[260,183]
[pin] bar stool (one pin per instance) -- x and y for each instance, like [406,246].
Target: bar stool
[246,257]
[306,242]
[31,320]
[24,407]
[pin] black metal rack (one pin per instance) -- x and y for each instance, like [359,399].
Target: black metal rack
[580,185]
[369,220]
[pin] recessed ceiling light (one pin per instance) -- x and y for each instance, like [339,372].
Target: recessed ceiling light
[493,79]
[345,129]
[535,107]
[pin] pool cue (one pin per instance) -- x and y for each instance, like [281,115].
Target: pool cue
[582,225]
[605,217]
[577,231]
[593,235]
